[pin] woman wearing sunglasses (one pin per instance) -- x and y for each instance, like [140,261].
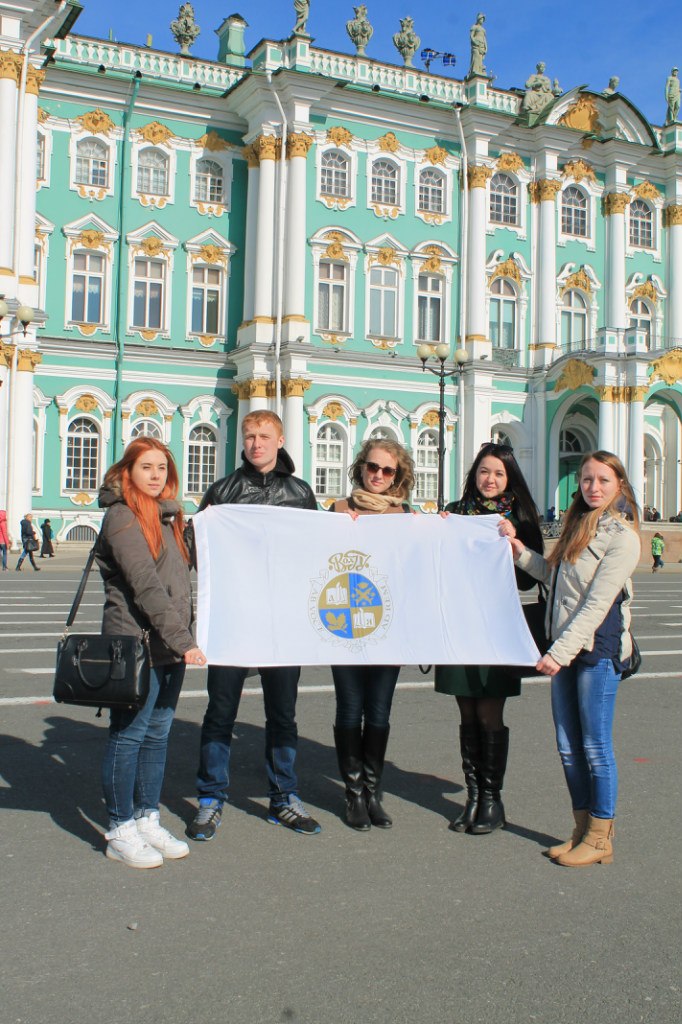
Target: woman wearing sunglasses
[382,477]
[494,485]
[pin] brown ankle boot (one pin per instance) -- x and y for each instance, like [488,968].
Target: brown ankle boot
[578,833]
[595,848]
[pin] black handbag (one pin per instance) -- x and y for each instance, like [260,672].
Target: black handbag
[101,671]
[32,544]
[635,662]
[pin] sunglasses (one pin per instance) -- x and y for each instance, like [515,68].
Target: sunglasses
[499,447]
[388,471]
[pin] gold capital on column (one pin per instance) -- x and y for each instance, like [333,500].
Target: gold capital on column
[28,359]
[672,216]
[478,175]
[295,387]
[266,147]
[615,202]
[636,393]
[10,65]
[6,353]
[298,144]
[609,393]
[34,80]
[544,190]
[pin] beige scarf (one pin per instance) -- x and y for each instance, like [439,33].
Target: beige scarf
[374,502]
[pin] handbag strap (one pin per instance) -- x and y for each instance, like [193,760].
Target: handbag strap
[81,586]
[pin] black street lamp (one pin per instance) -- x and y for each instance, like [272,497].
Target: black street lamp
[461,357]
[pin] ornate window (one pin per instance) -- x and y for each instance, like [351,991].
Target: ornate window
[87,287]
[330,461]
[504,202]
[382,434]
[209,184]
[334,174]
[332,308]
[207,288]
[149,282]
[574,212]
[430,307]
[82,455]
[383,302]
[641,225]
[152,172]
[201,459]
[426,466]
[641,318]
[574,320]
[502,314]
[385,183]
[40,157]
[92,163]
[146,428]
[431,191]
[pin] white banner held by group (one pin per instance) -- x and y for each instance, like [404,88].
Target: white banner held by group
[281,586]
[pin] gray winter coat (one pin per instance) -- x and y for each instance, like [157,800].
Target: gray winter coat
[141,593]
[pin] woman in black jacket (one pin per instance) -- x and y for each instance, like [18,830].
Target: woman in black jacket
[145,568]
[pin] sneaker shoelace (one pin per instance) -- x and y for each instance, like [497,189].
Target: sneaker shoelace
[204,814]
[296,808]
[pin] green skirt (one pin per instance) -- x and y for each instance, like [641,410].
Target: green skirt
[477,681]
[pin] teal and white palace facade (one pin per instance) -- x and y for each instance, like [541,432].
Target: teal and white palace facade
[283,228]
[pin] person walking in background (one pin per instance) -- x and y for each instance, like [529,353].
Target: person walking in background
[4,539]
[265,478]
[29,542]
[144,564]
[494,485]
[657,549]
[382,477]
[588,623]
[47,550]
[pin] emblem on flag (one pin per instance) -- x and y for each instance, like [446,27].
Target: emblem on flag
[350,603]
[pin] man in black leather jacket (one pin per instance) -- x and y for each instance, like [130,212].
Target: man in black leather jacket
[265,478]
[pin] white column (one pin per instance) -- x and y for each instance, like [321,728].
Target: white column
[635,463]
[673,221]
[8,120]
[606,433]
[5,363]
[27,176]
[20,434]
[298,145]
[477,328]
[265,228]
[545,274]
[614,211]
[250,233]
[293,390]
[538,480]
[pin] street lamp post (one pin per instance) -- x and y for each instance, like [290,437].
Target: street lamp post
[461,357]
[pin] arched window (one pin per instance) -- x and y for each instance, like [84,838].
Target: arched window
[92,163]
[87,287]
[574,212]
[430,307]
[641,318]
[574,320]
[335,180]
[641,224]
[152,172]
[330,466]
[382,434]
[385,183]
[502,314]
[504,206]
[201,459]
[146,428]
[570,443]
[82,455]
[499,437]
[431,191]
[209,184]
[426,466]
[332,296]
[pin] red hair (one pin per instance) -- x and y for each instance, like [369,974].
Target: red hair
[144,507]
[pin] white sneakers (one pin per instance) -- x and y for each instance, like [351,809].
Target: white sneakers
[143,843]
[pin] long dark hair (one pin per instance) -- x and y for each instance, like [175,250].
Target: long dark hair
[525,510]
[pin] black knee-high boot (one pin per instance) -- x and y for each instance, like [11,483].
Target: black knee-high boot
[494,750]
[349,752]
[374,743]
[470,746]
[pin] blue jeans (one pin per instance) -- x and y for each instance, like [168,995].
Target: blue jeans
[583,705]
[364,690]
[135,756]
[3,555]
[280,690]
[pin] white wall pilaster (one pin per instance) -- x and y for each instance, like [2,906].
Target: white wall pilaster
[477,328]
[8,156]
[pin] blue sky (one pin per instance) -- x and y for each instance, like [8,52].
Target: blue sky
[582,43]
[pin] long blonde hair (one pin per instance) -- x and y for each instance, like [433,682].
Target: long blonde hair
[580,523]
[403,482]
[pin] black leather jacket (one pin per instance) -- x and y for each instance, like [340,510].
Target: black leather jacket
[247,486]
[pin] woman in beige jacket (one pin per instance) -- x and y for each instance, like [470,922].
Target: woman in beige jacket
[588,623]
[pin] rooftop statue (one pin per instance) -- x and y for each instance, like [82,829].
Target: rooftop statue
[612,87]
[672,96]
[406,41]
[539,91]
[360,30]
[302,8]
[479,47]
[184,28]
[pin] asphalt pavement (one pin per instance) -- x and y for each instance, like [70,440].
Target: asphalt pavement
[262,926]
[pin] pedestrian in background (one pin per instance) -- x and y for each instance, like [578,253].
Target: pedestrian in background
[382,476]
[657,549]
[47,549]
[29,542]
[494,486]
[4,539]
[144,564]
[588,623]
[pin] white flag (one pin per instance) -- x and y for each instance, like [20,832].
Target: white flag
[280,586]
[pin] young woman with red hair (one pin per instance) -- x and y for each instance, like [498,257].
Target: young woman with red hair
[145,568]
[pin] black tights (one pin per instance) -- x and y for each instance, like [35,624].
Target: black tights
[486,712]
